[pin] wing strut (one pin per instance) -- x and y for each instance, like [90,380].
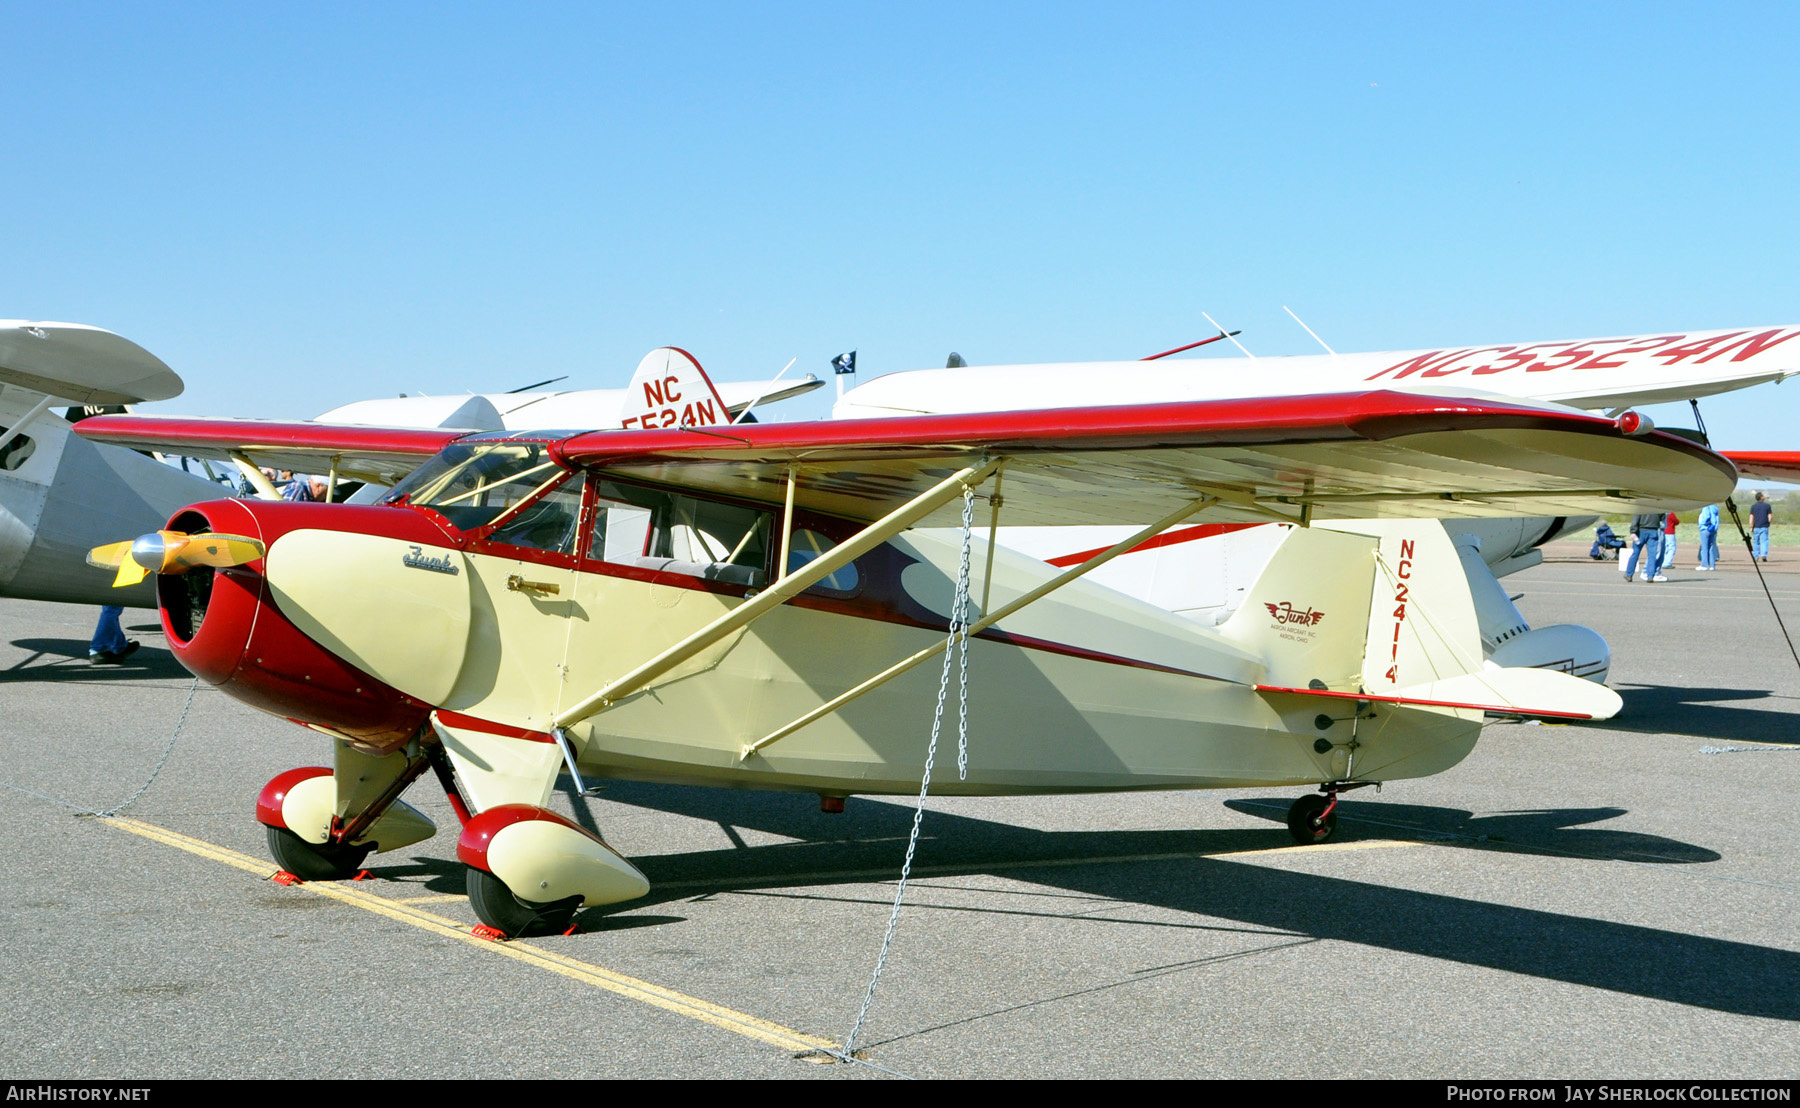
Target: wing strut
[264,489]
[36,410]
[984,622]
[783,590]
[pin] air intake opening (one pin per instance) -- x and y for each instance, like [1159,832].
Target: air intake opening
[184,596]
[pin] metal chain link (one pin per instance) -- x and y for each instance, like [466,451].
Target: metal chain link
[958,643]
[168,749]
[959,637]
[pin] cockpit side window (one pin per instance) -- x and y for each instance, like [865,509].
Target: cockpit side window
[16,451]
[671,532]
[550,523]
[474,484]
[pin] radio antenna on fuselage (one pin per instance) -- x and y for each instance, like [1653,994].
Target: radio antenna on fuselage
[1229,335]
[760,395]
[1164,354]
[1308,330]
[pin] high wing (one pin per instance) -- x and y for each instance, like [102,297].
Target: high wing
[378,454]
[533,411]
[1351,456]
[1771,465]
[1585,373]
[1347,456]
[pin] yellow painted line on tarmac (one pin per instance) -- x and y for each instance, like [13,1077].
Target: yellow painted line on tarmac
[436,898]
[890,874]
[631,988]
[193,846]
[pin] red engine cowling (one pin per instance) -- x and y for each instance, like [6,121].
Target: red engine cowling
[223,626]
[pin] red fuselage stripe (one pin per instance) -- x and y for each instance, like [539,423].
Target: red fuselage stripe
[1168,538]
[489,727]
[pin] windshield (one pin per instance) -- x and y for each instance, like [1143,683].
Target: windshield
[471,484]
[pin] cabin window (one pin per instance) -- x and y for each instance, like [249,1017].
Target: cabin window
[551,522]
[805,546]
[472,484]
[17,451]
[674,533]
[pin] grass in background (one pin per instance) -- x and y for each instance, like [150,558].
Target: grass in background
[1687,532]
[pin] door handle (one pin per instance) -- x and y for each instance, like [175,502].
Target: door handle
[515,583]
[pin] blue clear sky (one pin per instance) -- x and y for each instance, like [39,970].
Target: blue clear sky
[300,206]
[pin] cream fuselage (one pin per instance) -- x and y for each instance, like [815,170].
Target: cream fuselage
[1085,690]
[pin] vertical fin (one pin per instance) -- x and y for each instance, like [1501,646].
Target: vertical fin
[1308,613]
[1422,625]
[670,389]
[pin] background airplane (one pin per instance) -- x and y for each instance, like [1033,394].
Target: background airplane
[535,410]
[59,493]
[1205,572]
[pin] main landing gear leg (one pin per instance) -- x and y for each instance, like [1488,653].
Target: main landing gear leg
[321,823]
[530,869]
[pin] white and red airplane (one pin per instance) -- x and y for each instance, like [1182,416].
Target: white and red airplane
[61,495]
[1205,571]
[667,389]
[748,605]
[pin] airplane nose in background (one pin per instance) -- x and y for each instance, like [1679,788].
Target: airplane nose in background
[223,626]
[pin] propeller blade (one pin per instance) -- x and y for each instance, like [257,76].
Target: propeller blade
[110,556]
[130,573]
[172,552]
[218,551]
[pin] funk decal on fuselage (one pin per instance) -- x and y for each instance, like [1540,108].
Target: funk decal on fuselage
[418,560]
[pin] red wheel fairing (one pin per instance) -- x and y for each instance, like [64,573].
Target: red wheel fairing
[269,801]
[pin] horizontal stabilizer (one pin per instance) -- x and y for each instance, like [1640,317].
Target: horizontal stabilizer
[83,364]
[1538,693]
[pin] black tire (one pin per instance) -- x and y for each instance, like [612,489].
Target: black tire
[511,916]
[315,861]
[1304,822]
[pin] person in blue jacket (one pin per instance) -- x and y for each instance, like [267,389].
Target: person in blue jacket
[1709,538]
[1605,542]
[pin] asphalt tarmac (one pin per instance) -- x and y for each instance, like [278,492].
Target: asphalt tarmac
[1571,902]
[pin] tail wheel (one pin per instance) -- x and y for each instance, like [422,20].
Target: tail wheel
[1312,819]
[315,861]
[513,917]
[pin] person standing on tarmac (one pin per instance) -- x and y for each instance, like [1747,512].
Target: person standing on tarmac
[1667,559]
[1709,538]
[1647,528]
[1760,513]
